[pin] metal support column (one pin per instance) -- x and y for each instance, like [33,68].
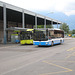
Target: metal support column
[57,24]
[36,21]
[23,19]
[51,22]
[4,19]
[7,31]
[45,22]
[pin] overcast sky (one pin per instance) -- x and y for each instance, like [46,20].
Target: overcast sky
[65,6]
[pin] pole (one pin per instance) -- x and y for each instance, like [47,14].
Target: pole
[51,22]
[4,18]
[23,19]
[36,21]
[57,24]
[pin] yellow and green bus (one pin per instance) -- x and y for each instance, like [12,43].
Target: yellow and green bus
[26,36]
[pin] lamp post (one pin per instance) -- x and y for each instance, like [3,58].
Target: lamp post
[50,13]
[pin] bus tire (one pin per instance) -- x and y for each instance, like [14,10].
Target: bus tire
[52,43]
[39,45]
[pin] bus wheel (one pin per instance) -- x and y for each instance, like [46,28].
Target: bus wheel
[39,45]
[52,43]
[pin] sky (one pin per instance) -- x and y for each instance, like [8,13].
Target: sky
[63,10]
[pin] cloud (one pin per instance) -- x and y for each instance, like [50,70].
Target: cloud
[65,6]
[68,13]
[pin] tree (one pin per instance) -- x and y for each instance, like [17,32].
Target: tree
[64,27]
[73,31]
[70,32]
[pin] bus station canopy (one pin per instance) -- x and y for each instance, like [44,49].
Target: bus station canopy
[14,14]
[16,28]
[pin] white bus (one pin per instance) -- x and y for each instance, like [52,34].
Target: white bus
[47,37]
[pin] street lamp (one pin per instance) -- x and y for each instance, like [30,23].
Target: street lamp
[50,13]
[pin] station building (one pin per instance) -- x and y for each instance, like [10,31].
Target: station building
[13,16]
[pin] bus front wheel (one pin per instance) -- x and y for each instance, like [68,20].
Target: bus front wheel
[52,43]
[60,41]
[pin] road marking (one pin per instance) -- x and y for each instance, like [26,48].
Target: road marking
[54,73]
[20,67]
[68,70]
[70,55]
[71,49]
[57,66]
[61,61]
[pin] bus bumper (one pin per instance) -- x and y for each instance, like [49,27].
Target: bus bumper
[42,43]
[26,42]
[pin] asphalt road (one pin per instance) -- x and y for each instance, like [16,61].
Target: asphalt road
[33,60]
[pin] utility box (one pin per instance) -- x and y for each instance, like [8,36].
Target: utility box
[15,38]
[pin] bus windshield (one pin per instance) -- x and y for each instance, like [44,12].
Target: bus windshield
[25,35]
[40,35]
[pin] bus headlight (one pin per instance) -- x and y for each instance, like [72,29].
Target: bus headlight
[46,43]
[30,41]
[49,42]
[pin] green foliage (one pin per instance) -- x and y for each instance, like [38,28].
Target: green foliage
[49,26]
[64,27]
[42,26]
[73,31]
[70,32]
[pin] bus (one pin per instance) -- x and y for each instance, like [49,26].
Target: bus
[26,36]
[48,37]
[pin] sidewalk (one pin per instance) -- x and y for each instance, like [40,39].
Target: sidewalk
[69,38]
[7,45]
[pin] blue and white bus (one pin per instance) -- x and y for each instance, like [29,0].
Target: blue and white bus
[48,37]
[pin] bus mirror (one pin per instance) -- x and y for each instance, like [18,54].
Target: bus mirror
[34,31]
[49,37]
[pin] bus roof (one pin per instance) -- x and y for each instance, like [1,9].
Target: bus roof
[19,29]
[42,29]
[55,29]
